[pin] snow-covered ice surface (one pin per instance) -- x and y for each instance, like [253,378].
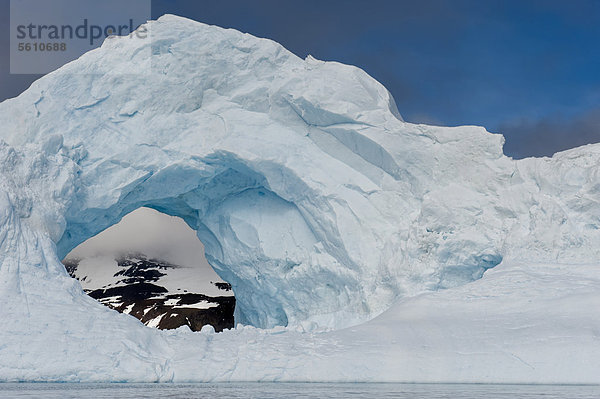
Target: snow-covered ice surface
[366,235]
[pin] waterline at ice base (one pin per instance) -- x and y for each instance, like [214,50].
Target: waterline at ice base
[359,247]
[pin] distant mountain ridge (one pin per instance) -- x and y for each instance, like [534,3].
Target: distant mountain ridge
[136,289]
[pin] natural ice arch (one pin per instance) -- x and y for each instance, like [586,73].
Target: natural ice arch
[396,209]
[253,238]
[311,194]
[259,242]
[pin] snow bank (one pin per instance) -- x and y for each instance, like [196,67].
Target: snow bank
[314,199]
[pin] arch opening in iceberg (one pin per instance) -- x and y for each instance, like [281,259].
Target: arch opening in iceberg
[253,238]
[152,267]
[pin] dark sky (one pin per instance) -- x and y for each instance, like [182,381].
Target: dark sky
[529,69]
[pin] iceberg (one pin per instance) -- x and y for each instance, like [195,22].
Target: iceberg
[360,247]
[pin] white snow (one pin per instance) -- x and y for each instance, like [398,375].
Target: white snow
[171,302]
[198,305]
[157,236]
[364,234]
[98,271]
[155,321]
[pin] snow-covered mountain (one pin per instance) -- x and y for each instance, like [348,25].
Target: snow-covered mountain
[152,267]
[136,285]
[358,246]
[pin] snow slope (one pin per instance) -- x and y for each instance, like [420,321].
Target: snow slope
[325,211]
[158,293]
[156,236]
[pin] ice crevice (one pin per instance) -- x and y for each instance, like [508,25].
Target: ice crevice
[349,236]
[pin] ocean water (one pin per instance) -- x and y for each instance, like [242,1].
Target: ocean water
[297,390]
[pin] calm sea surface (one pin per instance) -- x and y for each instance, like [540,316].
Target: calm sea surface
[296,390]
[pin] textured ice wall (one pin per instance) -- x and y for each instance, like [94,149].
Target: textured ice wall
[312,196]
